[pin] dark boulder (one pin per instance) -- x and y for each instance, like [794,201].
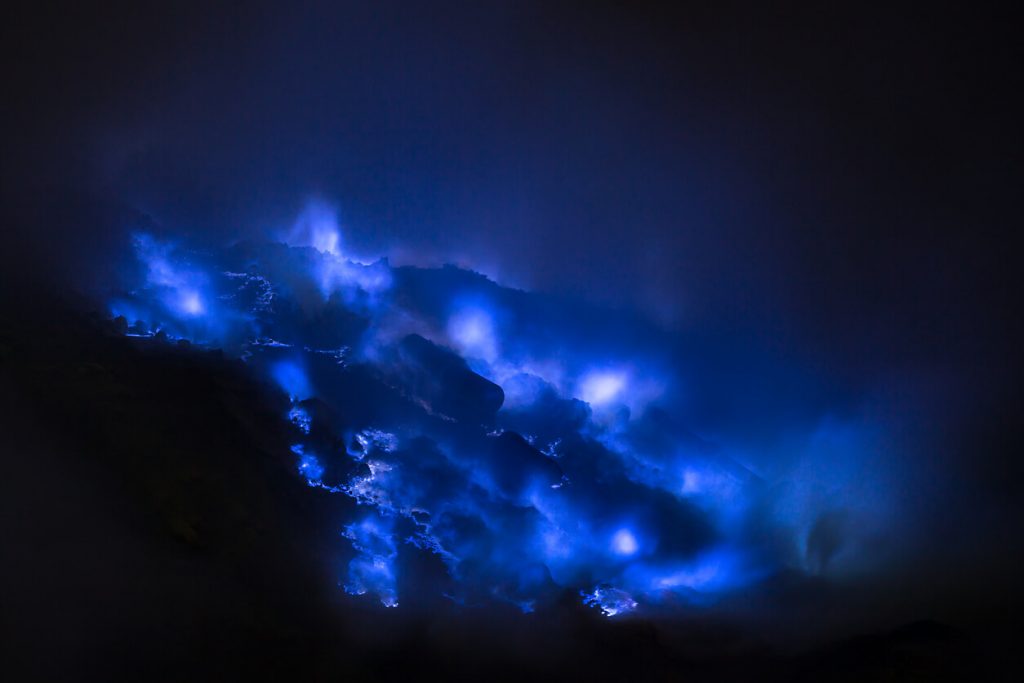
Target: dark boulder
[442,379]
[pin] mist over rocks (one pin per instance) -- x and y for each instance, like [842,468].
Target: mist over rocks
[208,525]
[527,443]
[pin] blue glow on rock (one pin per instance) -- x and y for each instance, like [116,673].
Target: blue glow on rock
[191,303]
[710,572]
[177,285]
[299,417]
[373,569]
[292,378]
[624,543]
[309,465]
[489,434]
[317,227]
[610,601]
[370,438]
[472,333]
[601,388]
[337,275]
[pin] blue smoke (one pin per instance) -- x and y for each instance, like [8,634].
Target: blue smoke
[529,447]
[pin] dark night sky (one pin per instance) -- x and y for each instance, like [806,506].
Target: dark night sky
[843,176]
[828,186]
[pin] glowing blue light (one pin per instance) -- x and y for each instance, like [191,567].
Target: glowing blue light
[624,543]
[257,286]
[191,303]
[691,481]
[291,377]
[471,330]
[602,388]
[326,241]
[309,465]
[375,488]
[337,274]
[370,438]
[300,418]
[177,284]
[373,568]
[317,227]
[696,577]
[697,580]
[549,496]
[611,601]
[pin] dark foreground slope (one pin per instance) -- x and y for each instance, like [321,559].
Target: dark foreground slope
[154,529]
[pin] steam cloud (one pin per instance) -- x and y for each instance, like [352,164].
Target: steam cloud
[529,446]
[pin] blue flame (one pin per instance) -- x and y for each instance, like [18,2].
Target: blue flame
[309,465]
[317,227]
[624,543]
[581,480]
[601,388]
[610,601]
[373,569]
[472,333]
[299,417]
[292,378]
